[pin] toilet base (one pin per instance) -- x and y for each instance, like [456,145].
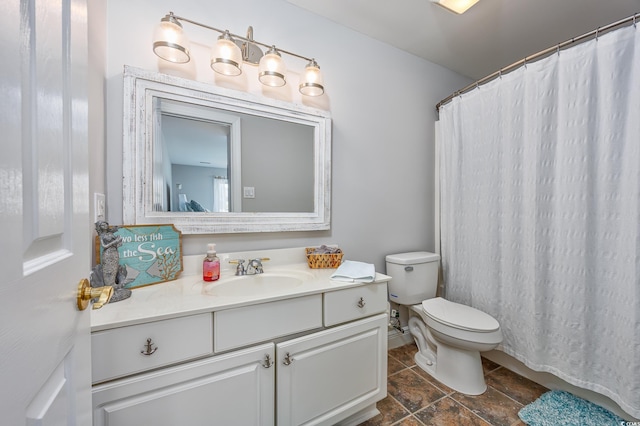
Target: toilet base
[450,355]
[459,369]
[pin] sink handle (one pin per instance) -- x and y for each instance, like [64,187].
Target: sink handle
[240,269]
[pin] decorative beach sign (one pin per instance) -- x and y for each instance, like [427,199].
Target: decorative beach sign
[151,254]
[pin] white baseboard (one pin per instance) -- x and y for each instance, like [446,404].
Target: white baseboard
[397,339]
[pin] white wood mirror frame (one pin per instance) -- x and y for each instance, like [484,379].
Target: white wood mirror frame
[143,89]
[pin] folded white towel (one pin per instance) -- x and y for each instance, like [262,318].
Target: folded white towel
[355,272]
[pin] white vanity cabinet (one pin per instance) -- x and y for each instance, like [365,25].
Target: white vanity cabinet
[307,359]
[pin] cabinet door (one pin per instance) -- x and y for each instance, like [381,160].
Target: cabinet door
[327,376]
[235,388]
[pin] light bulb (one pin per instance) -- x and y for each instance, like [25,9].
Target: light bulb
[169,41]
[271,69]
[226,56]
[311,83]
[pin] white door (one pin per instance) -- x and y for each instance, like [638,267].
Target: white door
[44,223]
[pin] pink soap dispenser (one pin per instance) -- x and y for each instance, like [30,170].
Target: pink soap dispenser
[211,264]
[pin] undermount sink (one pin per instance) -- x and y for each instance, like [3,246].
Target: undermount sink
[258,284]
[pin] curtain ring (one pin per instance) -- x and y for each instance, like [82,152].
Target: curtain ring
[500,73]
[525,62]
[558,49]
[634,21]
[597,29]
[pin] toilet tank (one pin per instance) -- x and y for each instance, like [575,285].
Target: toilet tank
[414,276]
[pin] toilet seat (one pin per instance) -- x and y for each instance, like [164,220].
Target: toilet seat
[459,316]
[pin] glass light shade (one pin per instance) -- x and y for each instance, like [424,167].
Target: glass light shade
[311,82]
[169,41]
[226,56]
[456,6]
[271,69]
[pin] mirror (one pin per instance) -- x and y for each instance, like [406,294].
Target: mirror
[213,160]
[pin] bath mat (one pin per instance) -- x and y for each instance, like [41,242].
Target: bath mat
[557,408]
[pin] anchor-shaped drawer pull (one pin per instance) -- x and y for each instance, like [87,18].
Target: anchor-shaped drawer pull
[148,348]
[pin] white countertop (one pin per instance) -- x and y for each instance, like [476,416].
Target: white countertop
[190,295]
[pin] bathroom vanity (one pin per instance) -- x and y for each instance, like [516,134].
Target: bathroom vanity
[286,347]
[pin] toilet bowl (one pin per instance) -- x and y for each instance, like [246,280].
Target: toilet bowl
[449,335]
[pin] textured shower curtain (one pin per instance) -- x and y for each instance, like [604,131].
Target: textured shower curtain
[540,211]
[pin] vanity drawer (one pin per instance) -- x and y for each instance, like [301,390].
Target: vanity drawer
[121,351]
[354,303]
[237,327]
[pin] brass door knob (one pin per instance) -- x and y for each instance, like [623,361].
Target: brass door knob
[86,293]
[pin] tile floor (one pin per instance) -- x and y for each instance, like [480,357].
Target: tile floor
[415,398]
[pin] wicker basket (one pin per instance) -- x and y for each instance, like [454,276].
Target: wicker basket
[319,261]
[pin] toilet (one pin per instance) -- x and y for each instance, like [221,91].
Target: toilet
[449,336]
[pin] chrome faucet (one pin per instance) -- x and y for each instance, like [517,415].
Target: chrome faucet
[254,267]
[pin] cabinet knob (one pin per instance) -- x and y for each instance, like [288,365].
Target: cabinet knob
[148,348]
[288,359]
[268,362]
[361,303]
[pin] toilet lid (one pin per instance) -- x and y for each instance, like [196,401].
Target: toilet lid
[459,316]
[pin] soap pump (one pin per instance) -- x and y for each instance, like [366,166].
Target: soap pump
[211,264]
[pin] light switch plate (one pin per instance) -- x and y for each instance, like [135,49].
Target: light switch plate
[249,192]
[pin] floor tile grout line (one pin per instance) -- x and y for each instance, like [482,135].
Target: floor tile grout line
[405,418]
[472,410]
[444,391]
[401,405]
[511,398]
[492,371]
[399,371]
[407,366]
[433,403]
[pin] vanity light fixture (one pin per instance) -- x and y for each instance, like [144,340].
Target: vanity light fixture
[231,50]
[456,6]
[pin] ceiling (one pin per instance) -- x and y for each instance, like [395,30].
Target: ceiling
[491,35]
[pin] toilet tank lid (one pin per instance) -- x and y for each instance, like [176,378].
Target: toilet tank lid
[412,258]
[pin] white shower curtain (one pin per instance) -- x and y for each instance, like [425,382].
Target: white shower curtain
[540,211]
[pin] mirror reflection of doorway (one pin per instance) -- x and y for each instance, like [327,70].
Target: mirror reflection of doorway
[195,158]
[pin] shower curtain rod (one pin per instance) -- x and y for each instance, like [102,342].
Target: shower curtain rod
[538,55]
